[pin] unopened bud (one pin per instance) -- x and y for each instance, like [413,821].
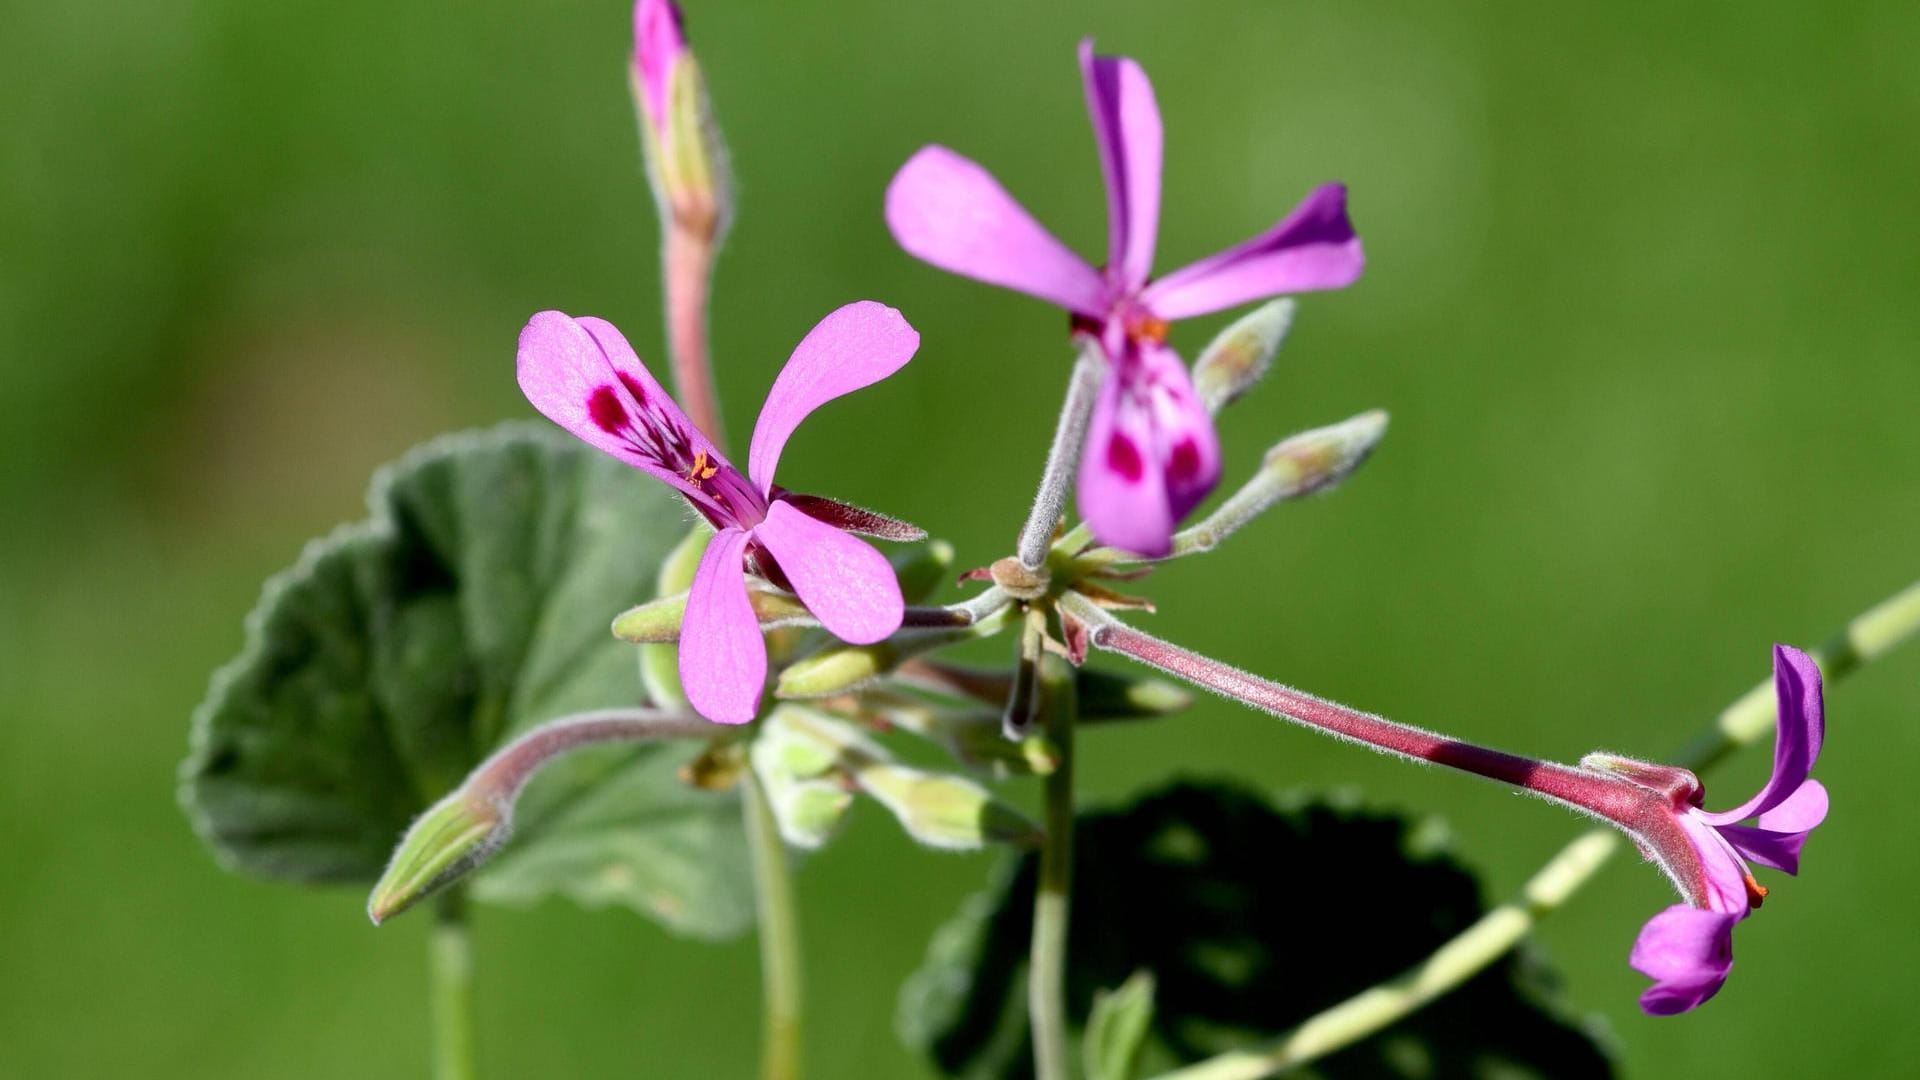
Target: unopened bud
[658,621]
[945,811]
[797,770]
[1241,355]
[937,809]
[686,161]
[841,668]
[457,834]
[1315,460]
[1301,465]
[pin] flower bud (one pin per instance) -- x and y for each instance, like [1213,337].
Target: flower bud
[937,809]
[1303,464]
[945,811]
[798,774]
[457,834]
[1123,695]
[1241,355]
[686,161]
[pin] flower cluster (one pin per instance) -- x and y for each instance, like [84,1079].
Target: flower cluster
[1147,456]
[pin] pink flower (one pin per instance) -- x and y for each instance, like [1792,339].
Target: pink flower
[1688,948]
[1151,453]
[585,377]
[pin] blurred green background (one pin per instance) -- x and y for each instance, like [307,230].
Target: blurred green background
[1640,300]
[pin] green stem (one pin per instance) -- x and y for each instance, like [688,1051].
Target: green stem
[1866,638]
[780,977]
[1047,963]
[450,957]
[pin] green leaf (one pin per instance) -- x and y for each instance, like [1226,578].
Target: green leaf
[1252,916]
[400,651]
[1117,1029]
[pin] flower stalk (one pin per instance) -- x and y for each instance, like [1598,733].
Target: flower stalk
[1607,797]
[450,959]
[1865,638]
[782,994]
[1063,459]
[1047,958]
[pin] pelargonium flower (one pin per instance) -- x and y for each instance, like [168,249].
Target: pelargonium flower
[585,377]
[1151,454]
[1688,948]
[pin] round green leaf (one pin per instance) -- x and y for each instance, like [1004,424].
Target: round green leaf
[400,651]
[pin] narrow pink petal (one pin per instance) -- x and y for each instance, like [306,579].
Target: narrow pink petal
[1688,952]
[1151,454]
[1126,127]
[855,346]
[847,585]
[1312,249]
[1802,727]
[582,375]
[952,213]
[723,658]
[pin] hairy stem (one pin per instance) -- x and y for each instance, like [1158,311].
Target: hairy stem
[780,972]
[1047,960]
[1036,536]
[450,957]
[688,268]
[1603,796]
[501,776]
[1750,718]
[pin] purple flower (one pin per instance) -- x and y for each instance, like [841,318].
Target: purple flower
[585,377]
[1688,948]
[1151,453]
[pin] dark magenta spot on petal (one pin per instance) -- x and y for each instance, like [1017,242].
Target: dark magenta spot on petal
[633,387]
[607,411]
[1184,465]
[1124,458]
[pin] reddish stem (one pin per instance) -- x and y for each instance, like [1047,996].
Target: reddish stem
[689,273]
[1608,798]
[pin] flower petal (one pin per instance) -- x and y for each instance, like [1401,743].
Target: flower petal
[582,375]
[1151,454]
[1800,811]
[854,346]
[1688,952]
[1723,882]
[847,585]
[952,213]
[1126,126]
[1779,850]
[1801,729]
[723,658]
[1311,249]
[1783,830]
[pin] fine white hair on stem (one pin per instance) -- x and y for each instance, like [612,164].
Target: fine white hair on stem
[1036,537]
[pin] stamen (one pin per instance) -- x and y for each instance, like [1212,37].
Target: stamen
[701,469]
[1149,330]
[1756,892]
